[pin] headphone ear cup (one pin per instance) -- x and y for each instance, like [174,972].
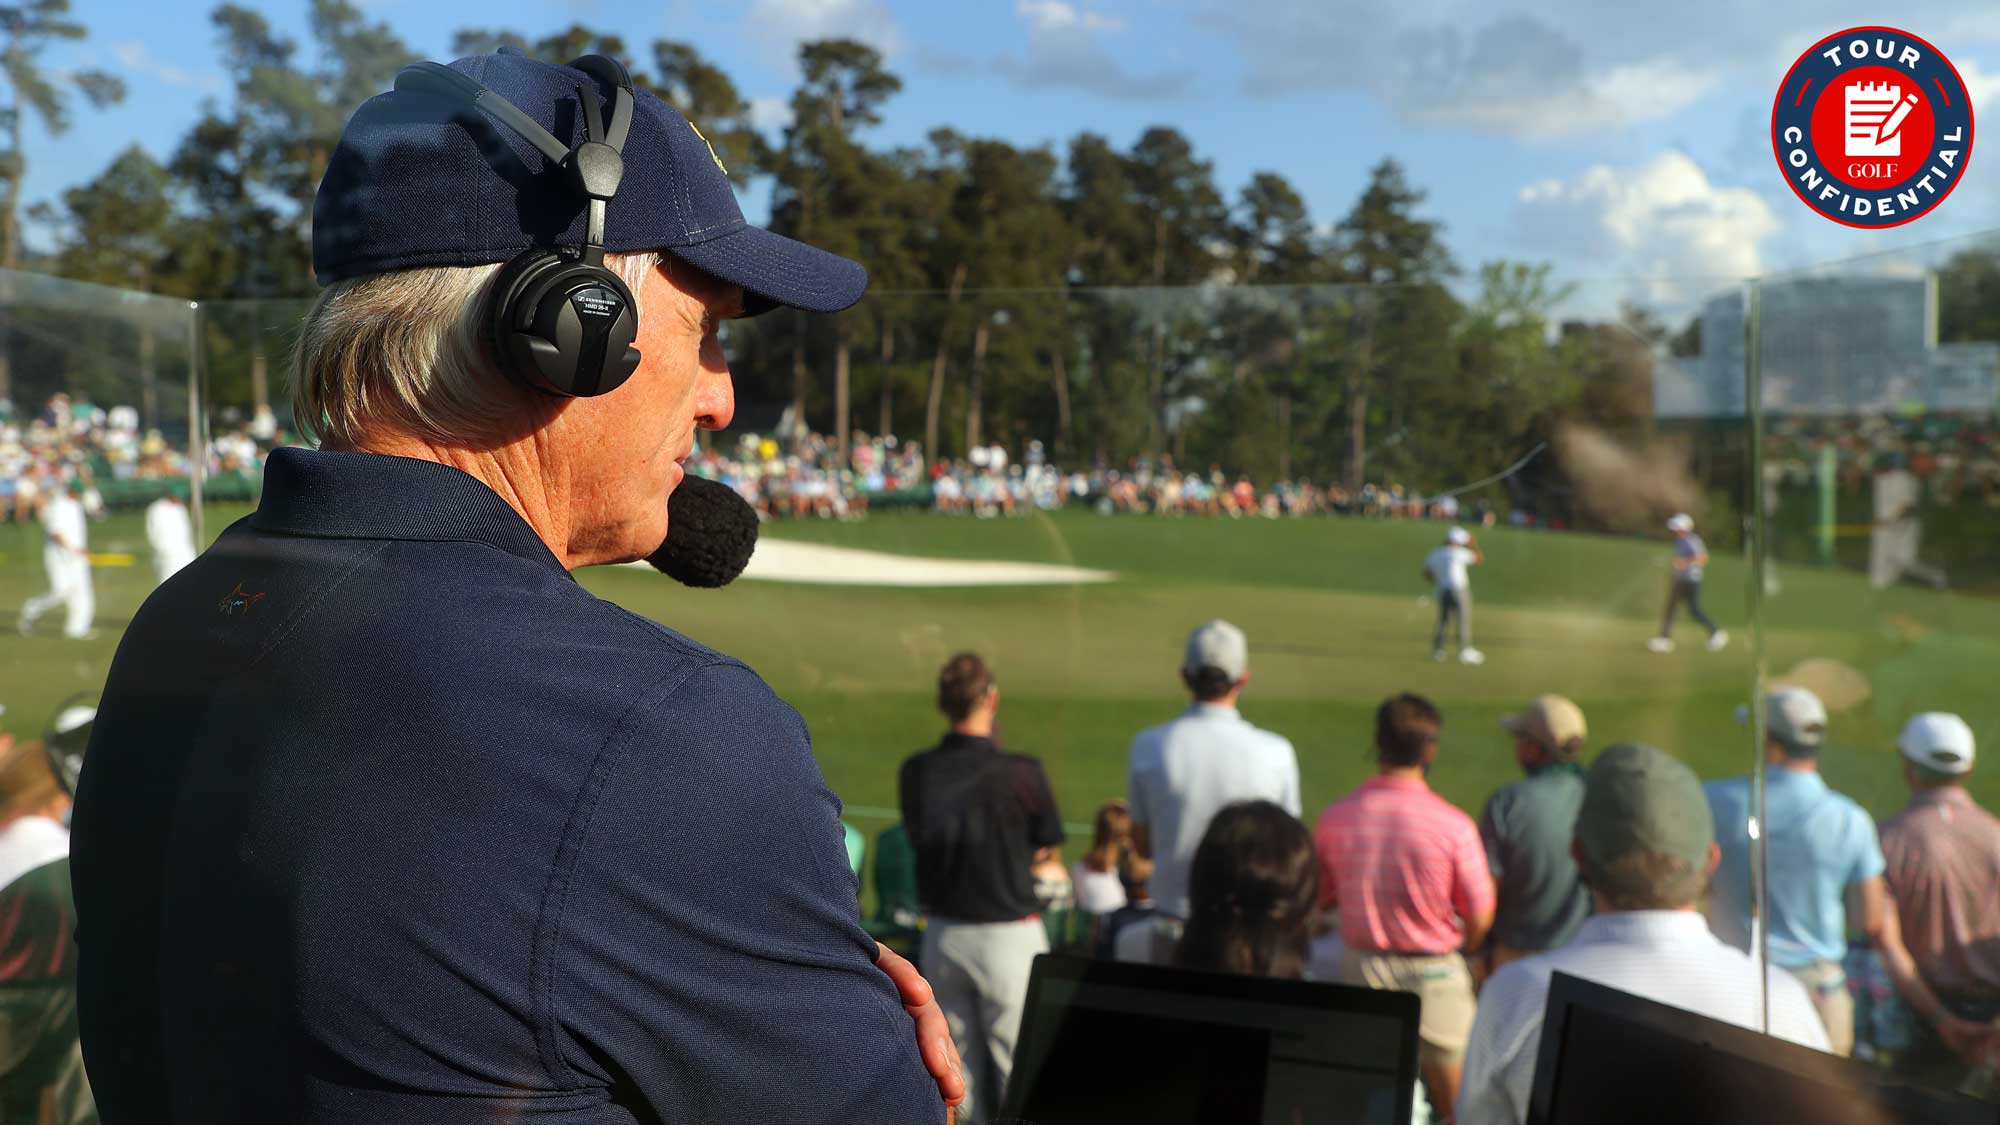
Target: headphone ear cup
[563,327]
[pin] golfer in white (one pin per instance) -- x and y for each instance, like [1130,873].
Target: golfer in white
[1449,569]
[170,532]
[66,556]
[1897,533]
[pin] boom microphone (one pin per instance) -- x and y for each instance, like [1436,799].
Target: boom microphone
[711,533]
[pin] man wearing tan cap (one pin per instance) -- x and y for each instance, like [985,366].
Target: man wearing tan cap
[1527,829]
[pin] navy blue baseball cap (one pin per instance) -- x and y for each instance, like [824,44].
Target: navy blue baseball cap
[422,180]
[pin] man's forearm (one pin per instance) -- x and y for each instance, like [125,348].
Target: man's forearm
[1877,918]
[1910,984]
[1477,930]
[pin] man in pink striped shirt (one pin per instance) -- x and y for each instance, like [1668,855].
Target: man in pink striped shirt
[1409,875]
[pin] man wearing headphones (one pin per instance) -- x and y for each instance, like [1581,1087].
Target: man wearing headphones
[387,819]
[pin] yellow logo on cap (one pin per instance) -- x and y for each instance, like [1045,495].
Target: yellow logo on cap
[711,149]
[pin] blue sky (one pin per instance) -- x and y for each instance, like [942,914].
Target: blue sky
[1628,147]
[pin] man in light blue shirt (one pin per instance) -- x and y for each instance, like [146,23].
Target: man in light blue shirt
[1181,772]
[1824,865]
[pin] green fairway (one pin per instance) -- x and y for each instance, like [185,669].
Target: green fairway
[1335,621]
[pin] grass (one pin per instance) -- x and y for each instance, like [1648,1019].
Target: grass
[1333,613]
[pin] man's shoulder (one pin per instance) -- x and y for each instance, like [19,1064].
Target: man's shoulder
[1854,821]
[1021,762]
[1271,741]
[467,615]
[1150,742]
[1526,979]
[1449,816]
[1506,799]
[579,643]
[1512,1000]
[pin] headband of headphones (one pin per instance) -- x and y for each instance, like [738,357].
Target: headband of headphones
[595,166]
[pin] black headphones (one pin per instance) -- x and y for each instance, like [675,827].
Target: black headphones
[557,319]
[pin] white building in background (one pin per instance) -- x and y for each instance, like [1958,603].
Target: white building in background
[1832,345]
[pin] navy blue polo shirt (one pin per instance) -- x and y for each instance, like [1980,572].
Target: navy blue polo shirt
[388,820]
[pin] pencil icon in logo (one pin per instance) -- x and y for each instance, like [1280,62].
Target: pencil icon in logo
[1896,116]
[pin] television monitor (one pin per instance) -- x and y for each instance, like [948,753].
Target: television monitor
[1107,1041]
[1607,1055]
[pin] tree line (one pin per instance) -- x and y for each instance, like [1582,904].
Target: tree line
[1109,299]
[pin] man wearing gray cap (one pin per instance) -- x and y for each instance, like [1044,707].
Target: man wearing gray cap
[1824,873]
[1943,853]
[388,821]
[1183,771]
[1646,849]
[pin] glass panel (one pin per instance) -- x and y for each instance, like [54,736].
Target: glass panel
[95,401]
[1880,379]
[1289,458]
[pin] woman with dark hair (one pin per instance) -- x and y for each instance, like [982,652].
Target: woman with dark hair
[1251,890]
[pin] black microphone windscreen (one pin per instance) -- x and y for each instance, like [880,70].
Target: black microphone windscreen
[711,533]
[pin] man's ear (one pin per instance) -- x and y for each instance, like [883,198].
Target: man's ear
[1714,857]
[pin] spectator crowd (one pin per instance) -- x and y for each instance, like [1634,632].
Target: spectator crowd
[1955,457]
[1620,867]
[75,439]
[807,477]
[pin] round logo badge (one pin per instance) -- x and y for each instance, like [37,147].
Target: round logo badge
[1872,127]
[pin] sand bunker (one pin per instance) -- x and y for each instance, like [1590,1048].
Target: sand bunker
[781,560]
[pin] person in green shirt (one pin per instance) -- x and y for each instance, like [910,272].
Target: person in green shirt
[1527,828]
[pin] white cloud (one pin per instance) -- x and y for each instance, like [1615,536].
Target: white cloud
[769,112]
[1983,85]
[1663,227]
[784,24]
[1064,52]
[134,59]
[1573,67]
[1055,15]
[1654,90]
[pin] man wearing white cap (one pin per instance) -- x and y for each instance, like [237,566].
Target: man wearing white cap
[1181,772]
[1824,869]
[1449,569]
[1690,561]
[1943,853]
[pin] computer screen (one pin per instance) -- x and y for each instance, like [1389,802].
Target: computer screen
[1608,1055]
[1102,1041]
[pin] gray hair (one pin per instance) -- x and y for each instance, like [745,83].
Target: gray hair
[405,352]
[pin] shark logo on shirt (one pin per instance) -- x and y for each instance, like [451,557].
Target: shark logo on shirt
[238,602]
